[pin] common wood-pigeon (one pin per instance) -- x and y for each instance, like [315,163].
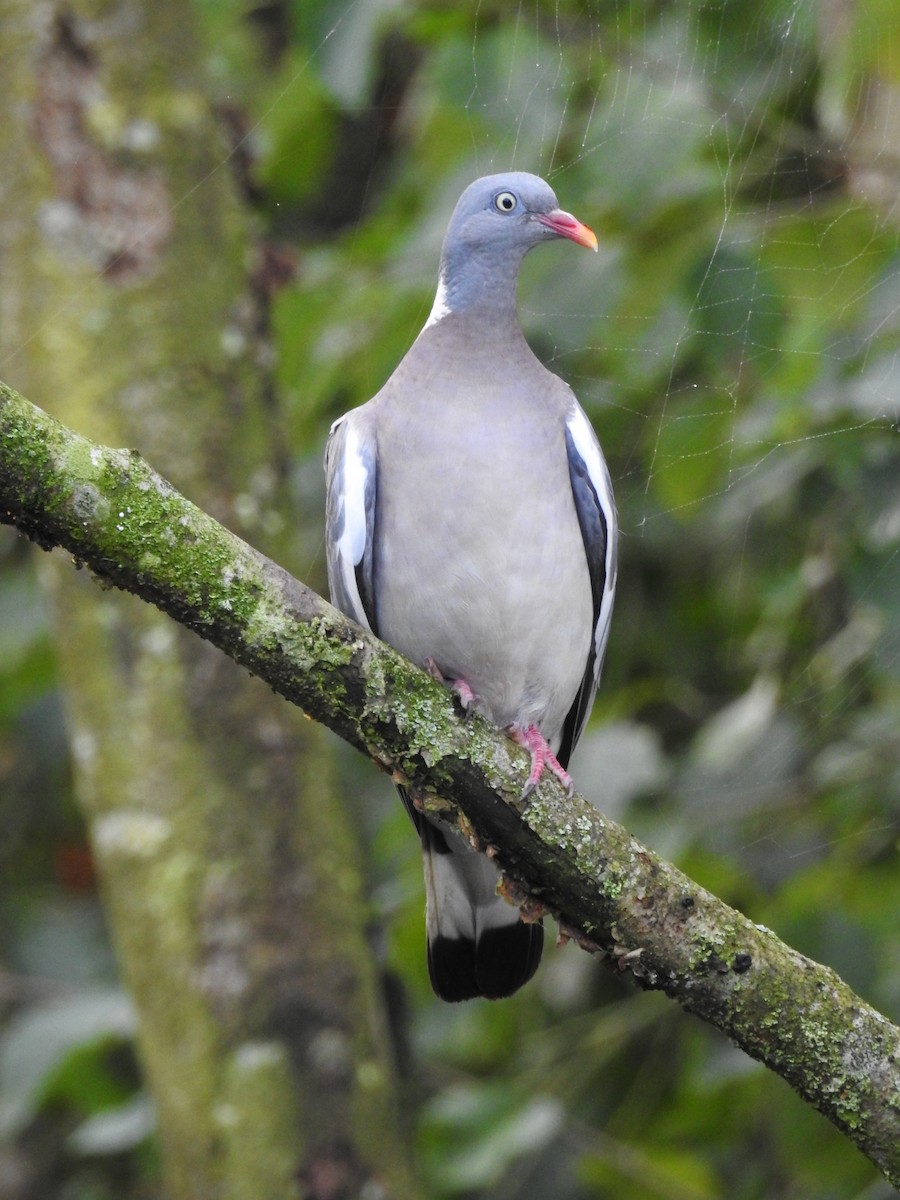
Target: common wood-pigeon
[471,525]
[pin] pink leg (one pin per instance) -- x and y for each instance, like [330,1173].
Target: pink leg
[541,756]
[460,689]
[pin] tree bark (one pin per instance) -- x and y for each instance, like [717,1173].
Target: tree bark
[559,855]
[230,871]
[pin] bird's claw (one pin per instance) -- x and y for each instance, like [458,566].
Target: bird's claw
[542,757]
[465,697]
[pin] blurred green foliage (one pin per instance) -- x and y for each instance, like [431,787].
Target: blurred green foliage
[736,345]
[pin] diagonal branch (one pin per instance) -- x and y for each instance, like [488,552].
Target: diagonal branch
[133,530]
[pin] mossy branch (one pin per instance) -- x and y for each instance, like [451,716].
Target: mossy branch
[133,530]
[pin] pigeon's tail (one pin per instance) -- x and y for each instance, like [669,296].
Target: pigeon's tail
[477,943]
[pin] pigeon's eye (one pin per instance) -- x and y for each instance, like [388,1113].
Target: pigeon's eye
[505,202]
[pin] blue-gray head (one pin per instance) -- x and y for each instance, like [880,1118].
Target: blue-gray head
[497,220]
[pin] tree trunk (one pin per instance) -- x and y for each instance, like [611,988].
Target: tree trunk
[229,870]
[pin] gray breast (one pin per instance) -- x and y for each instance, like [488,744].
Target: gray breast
[479,557]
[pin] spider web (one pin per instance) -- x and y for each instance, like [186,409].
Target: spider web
[735,343]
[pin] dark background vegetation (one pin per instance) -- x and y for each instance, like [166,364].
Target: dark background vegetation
[735,343]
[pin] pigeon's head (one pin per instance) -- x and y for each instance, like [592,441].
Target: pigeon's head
[514,211]
[497,220]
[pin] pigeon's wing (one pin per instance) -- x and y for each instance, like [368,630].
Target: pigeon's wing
[595,506]
[351,473]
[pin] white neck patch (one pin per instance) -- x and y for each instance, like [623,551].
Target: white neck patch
[440,308]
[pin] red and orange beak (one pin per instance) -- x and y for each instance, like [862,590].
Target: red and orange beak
[567,226]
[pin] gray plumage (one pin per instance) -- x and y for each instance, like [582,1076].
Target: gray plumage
[470,523]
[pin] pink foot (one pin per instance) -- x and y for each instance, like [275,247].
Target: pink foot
[460,689]
[541,756]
